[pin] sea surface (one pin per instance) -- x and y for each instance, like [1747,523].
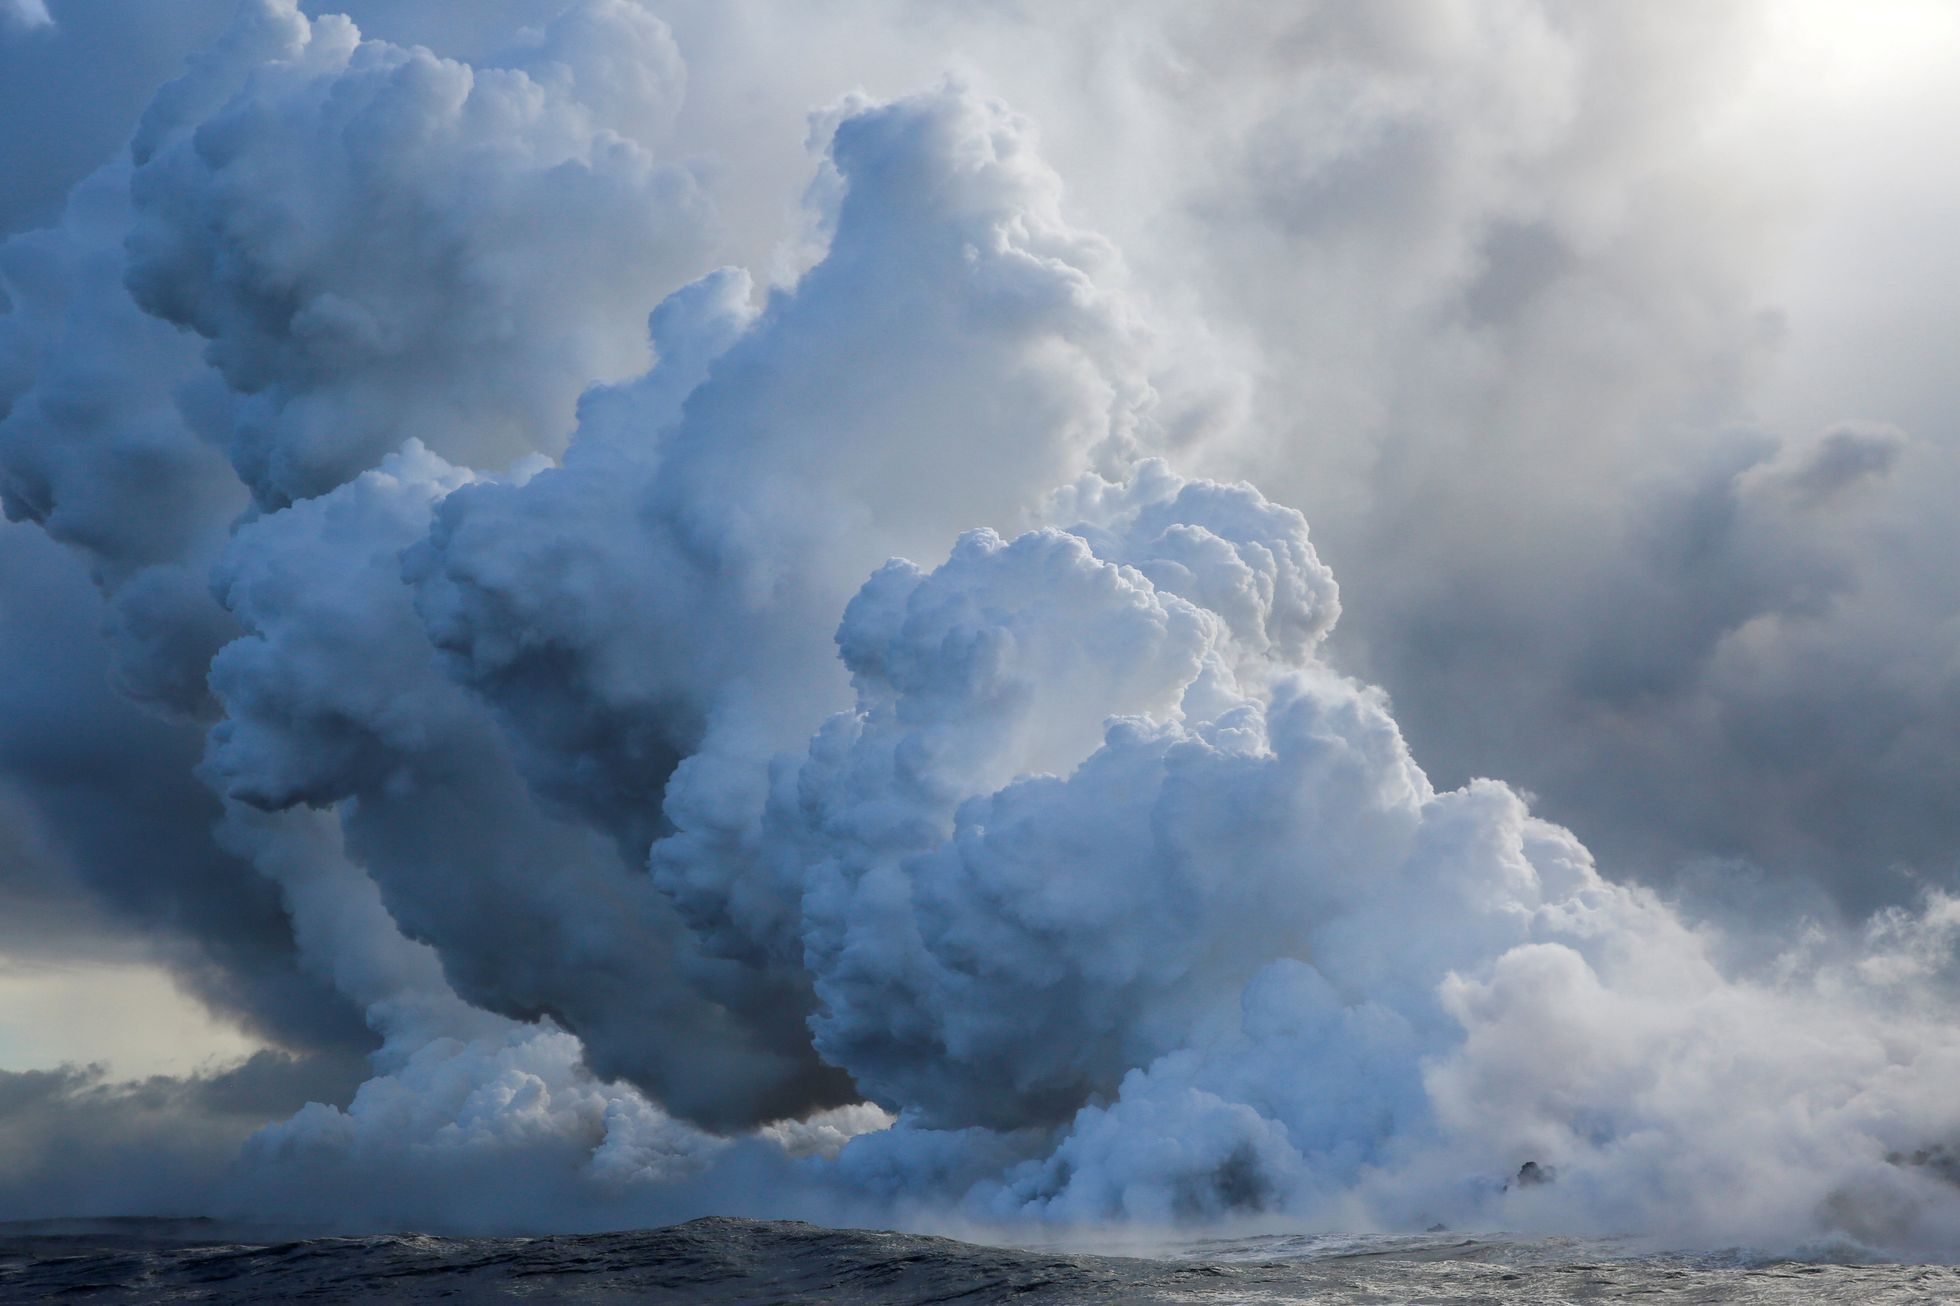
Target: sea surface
[756,1261]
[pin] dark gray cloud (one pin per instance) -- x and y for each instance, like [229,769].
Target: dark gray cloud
[1743,661]
[71,90]
[80,1143]
[103,808]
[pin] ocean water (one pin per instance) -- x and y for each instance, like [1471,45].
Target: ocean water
[756,1261]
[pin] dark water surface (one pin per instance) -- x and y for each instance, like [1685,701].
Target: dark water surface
[726,1260]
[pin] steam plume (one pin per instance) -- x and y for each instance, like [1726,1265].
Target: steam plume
[810,738]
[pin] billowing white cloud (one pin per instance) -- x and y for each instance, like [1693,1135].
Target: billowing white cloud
[666,598]
[379,243]
[828,733]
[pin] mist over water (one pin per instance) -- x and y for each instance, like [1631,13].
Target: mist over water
[691,623]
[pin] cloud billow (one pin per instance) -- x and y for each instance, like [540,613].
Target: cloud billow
[812,739]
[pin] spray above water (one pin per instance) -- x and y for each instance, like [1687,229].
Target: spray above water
[850,766]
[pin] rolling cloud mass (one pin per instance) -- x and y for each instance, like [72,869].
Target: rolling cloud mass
[678,609]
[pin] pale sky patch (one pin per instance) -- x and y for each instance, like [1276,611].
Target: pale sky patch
[129,1016]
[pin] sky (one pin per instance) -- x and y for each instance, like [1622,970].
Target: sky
[966,616]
